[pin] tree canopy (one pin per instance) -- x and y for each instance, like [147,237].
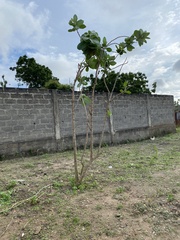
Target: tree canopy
[131,82]
[177,105]
[55,84]
[35,75]
[31,73]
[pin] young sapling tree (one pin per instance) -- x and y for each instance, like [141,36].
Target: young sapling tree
[101,57]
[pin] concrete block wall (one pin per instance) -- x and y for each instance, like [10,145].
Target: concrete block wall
[130,111]
[25,116]
[37,120]
[65,111]
[161,109]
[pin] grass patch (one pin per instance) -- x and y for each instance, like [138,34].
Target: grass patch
[138,196]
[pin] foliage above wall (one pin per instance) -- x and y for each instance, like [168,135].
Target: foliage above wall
[33,74]
[134,83]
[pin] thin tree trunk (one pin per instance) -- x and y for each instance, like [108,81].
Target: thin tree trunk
[74,136]
[91,114]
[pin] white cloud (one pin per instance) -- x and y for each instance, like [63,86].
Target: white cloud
[176,66]
[158,72]
[30,24]
[21,27]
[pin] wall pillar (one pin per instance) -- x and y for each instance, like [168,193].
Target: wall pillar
[148,111]
[56,115]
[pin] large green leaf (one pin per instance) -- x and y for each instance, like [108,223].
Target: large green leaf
[85,99]
[76,24]
[93,62]
[141,36]
[104,44]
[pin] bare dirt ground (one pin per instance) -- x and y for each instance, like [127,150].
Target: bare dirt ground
[131,193]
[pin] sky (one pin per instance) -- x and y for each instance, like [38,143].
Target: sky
[39,29]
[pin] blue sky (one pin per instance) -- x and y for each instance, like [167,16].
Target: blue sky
[39,29]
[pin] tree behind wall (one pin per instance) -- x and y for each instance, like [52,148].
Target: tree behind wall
[35,75]
[177,105]
[3,83]
[31,73]
[136,83]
